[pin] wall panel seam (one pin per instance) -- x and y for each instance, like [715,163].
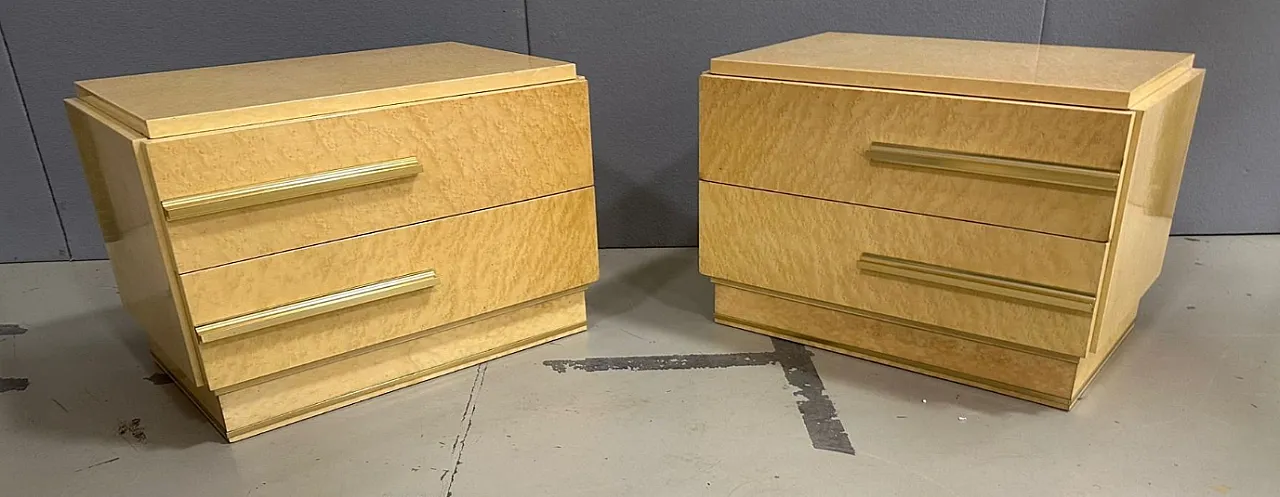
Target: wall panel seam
[528,37]
[1044,12]
[35,142]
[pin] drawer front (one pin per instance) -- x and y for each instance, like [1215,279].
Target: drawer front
[236,194]
[1012,285]
[349,379]
[1045,168]
[920,350]
[260,316]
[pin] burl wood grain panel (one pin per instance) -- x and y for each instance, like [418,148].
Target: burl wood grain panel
[971,362]
[810,248]
[812,140]
[316,390]
[1149,193]
[133,229]
[477,151]
[201,99]
[485,260]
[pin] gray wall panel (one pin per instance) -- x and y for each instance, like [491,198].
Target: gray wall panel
[1232,181]
[55,42]
[29,227]
[643,60]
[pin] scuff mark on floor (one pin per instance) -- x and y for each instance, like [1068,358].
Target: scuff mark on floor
[159,379]
[460,442]
[133,429]
[60,406]
[14,384]
[94,465]
[624,330]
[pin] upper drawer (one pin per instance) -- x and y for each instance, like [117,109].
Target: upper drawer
[1017,286]
[270,314]
[239,193]
[1039,167]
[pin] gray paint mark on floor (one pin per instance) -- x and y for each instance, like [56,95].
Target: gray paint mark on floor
[664,362]
[11,329]
[826,431]
[14,384]
[159,379]
[820,418]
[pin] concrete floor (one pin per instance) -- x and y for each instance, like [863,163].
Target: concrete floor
[1190,405]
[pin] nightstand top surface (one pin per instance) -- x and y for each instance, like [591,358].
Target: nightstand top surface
[1095,77]
[203,99]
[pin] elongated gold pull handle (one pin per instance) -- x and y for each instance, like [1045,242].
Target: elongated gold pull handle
[276,316]
[993,285]
[1038,172]
[263,193]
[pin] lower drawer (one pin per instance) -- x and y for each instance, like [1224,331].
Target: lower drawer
[1011,285]
[1023,373]
[265,405]
[256,317]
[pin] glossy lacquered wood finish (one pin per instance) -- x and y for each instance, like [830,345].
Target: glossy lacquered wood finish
[134,232]
[193,100]
[1094,77]
[383,218]
[484,261]
[476,151]
[815,140]
[811,248]
[1001,243]
[1145,213]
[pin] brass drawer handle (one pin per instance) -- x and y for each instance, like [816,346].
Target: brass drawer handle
[1039,172]
[276,316]
[1012,289]
[263,193]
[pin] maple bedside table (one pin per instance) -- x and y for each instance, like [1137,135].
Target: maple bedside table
[298,235]
[989,213]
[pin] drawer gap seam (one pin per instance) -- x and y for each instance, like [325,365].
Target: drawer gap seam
[869,206]
[375,232]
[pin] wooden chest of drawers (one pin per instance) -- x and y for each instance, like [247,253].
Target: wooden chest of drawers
[990,213]
[298,235]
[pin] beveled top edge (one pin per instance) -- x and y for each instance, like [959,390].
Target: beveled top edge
[1095,77]
[185,101]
